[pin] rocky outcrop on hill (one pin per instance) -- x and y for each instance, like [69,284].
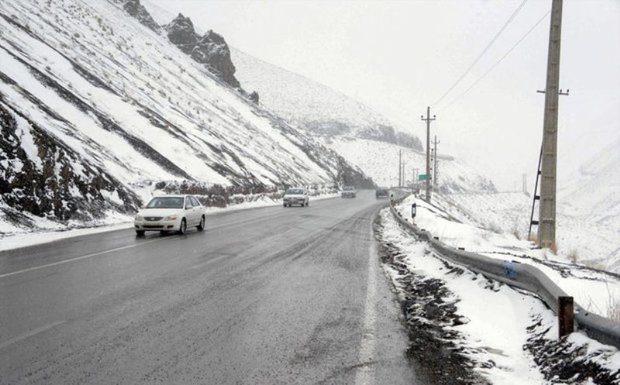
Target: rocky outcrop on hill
[137,10]
[210,49]
[181,33]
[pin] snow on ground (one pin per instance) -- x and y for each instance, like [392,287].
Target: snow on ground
[496,322]
[481,224]
[496,316]
[587,233]
[13,237]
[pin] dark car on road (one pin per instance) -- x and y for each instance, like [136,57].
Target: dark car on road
[382,193]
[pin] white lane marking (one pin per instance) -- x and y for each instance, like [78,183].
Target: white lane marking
[30,334]
[76,259]
[208,262]
[365,374]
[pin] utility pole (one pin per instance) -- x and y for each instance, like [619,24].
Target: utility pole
[403,174]
[435,165]
[428,121]
[525,183]
[547,206]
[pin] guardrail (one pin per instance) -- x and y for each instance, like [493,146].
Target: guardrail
[522,276]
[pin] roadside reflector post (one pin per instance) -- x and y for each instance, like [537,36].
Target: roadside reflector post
[413,211]
[565,315]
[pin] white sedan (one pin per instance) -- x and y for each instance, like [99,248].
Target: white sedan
[170,213]
[296,196]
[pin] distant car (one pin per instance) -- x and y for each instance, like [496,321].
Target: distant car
[296,196]
[170,213]
[382,193]
[348,192]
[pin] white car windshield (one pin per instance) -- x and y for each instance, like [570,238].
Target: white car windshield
[166,203]
[294,191]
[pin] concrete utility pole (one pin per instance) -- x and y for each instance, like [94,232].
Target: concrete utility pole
[402,172]
[547,206]
[435,165]
[428,121]
[524,183]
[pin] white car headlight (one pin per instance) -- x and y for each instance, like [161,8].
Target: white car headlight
[139,218]
[170,218]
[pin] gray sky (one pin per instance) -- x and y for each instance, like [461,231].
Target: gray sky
[400,56]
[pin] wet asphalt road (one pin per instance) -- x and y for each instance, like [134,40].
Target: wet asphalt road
[263,296]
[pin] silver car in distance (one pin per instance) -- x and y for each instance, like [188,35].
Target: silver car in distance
[170,213]
[296,196]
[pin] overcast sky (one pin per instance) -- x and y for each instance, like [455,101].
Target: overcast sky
[400,56]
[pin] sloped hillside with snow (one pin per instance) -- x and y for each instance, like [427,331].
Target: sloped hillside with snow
[590,205]
[313,106]
[95,106]
[582,236]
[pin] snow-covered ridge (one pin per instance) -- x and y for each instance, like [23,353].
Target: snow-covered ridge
[123,108]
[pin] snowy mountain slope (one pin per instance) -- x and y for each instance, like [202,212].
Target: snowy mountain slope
[93,100]
[594,192]
[579,240]
[313,106]
[590,205]
[379,160]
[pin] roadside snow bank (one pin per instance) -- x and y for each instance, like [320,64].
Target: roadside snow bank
[507,336]
[597,291]
[490,319]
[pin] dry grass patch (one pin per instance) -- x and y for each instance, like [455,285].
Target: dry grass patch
[573,256]
[613,306]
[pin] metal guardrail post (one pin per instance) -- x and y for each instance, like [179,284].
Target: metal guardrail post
[565,315]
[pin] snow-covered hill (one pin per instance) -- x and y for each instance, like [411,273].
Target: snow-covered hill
[96,106]
[590,207]
[313,106]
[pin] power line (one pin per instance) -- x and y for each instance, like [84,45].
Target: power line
[510,19]
[496,63]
